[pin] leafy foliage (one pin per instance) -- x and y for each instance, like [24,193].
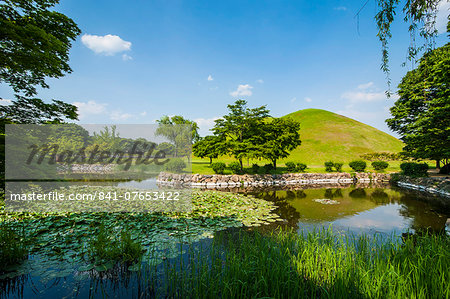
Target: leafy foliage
[420,14]
[414,169]
[329,166]
[235,167]
[175,165]
[255,168]
[338,166]
[13,247]
[301,167]
[34,44]
[209,146]
[421,114]
[181,132]
[358,166]
[268,168]
[240,131]
[290,166]
[380,165]
[218,167]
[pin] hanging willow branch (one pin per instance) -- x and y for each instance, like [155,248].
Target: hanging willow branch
[420,14]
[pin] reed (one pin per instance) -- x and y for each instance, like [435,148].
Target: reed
[286,264]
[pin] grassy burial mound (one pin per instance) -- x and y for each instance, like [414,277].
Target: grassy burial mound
[329,136]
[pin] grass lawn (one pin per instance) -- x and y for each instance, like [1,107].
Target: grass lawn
[202,166]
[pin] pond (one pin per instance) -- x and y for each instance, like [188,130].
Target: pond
[369,210]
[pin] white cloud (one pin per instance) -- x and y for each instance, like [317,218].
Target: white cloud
[210,78]
[144,113]
[107,44]
[365,85]
[442,16]
[260,81]
[126,57]
[90,107]
[341,8]
[118,115]
[242,90]
[293,99]
[205,124]
[5,102]
[309,100]
[362,96]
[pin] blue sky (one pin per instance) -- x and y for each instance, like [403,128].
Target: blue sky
[136,61]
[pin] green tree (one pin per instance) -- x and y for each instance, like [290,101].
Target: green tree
[422,113]
[240,130]
[34,43]
[280,136]
[183,133]
[209,147]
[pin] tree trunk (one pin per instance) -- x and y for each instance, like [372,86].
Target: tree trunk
[438,164]
[242,166]
[274,161]
[210,160]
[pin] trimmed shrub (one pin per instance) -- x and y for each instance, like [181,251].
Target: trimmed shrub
[338,166]
[235,167]
[445,169]
[255,168]
[218,167]
[380,165]
[268,168]
[291,166]
[329,166]
[301,167]
[175,165]
[414,169]
[358,166]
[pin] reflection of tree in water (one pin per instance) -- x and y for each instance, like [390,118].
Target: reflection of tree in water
[358,193]
[330,193]
[284,209]
[423,216]
[380,197]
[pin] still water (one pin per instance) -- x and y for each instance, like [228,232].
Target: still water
[352,209]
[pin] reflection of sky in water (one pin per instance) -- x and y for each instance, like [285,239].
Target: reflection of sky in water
[144,184]
[382,219]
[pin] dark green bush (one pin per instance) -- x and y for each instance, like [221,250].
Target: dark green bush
[175,165]
[301,167]
[329,166]
[268,168]
[218,167]
[235,167]
[380,165]
[358,166]
[414,169]
[338,166]
[445,169]
[290,166]
[255,168]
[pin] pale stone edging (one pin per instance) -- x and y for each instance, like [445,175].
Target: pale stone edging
[422,188]
[289,179]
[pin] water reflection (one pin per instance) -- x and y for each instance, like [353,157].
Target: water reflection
[358,209]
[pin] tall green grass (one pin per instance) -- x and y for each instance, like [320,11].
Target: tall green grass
[319,264]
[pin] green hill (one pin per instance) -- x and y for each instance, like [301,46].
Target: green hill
[327,136]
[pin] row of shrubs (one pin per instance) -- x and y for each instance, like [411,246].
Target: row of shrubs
[235,167]
[358,165]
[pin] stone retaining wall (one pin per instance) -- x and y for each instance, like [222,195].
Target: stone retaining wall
[434,185]
[288,179]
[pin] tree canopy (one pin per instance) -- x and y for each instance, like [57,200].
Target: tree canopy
[34,44]
[422,113]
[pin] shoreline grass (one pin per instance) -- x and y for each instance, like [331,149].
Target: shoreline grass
[316,264]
